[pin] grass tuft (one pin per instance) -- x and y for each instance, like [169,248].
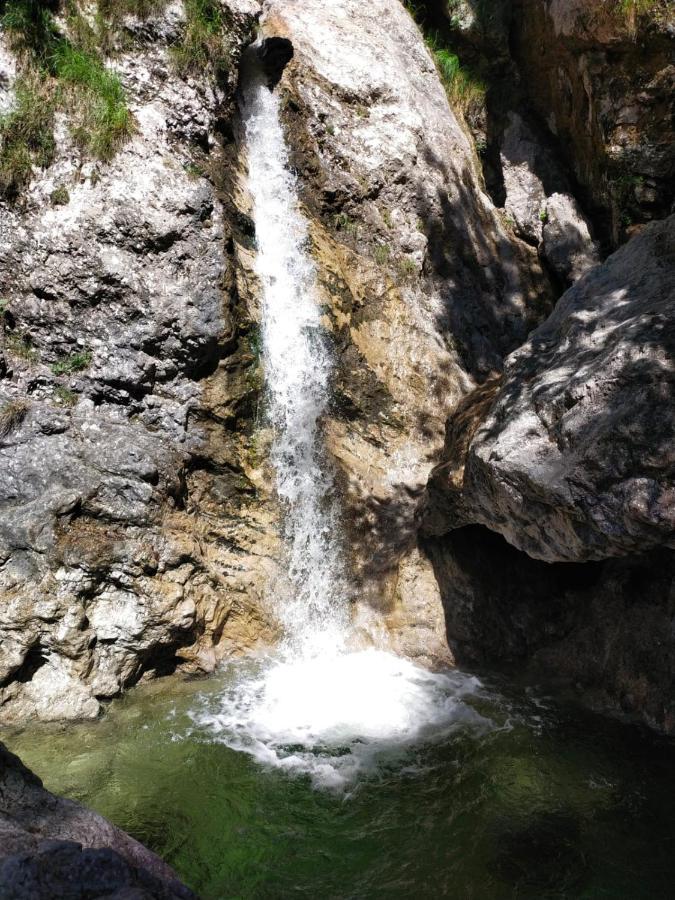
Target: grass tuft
[76,362]
[20,345]
[465,90]
[203,45]
[56,72]
[12,415]
[381,254]
[60,196]
[26,135]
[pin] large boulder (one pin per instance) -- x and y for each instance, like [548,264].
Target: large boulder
[571,457]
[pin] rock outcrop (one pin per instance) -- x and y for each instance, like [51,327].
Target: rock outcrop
[601,76]
[573,459]
[569,455]
[131,539]
[50,847]
[424,288]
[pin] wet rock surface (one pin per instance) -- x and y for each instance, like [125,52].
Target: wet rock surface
[411,255]
[50,847]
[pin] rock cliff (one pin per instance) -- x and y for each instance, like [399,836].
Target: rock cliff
[139,522]
[139,530]
[131,539]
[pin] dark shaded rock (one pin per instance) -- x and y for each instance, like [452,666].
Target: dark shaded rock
[601,75]
[274,53]
[604,629]
[50,847]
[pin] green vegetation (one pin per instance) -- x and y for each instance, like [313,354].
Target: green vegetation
[193,170]
[76,362]
[65,396]
[12,415]
[465,89]
[26,134]
[623,189]
[343,222]
[116,10]
[60,196]
[381,254]
[407,268]
[96,97]
[20,345]
[543,216]
[659,11]
[56,72]
[204,44]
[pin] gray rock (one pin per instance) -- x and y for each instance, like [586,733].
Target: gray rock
[567,245]
[116,315]
[540,205]
[575,459]
[51,847]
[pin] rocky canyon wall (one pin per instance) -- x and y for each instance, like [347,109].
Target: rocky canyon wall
[138,523]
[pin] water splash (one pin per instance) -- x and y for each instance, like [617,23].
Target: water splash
[340,716]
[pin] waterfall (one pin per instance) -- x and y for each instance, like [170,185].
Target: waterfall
[297,362]
[314,706]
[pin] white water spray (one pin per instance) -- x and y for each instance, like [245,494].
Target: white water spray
[315,707]
[297,374]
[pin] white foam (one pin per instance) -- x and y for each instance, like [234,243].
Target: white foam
[340,716]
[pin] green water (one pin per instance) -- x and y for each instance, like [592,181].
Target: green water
[550,803]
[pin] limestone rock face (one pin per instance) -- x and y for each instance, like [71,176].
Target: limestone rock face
[539,202]
[51,847]
[423,287]
[572,458]
[131,539]
[601,76]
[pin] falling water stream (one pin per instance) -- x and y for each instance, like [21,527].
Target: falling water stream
[324,770]
[318,705]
